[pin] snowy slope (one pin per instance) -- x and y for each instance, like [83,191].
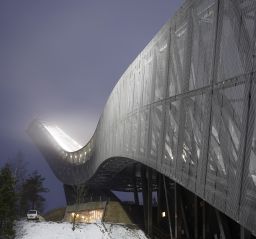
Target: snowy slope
[52,230]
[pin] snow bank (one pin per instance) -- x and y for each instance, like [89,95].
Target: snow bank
[52,230]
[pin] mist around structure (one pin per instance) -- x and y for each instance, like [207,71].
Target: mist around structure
[59,63]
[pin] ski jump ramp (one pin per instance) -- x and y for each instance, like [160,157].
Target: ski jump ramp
[185,107]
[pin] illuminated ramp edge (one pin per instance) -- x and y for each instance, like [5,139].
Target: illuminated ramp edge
[63,140]
[184,107]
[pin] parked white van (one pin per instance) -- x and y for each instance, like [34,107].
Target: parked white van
[32,215]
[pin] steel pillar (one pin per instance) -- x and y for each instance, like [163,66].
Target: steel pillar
[167,206]
[244,234]
[136,196]
[149,199]
[146,177]
[176,208]
[195,217]
[184,217]
[223,226]
[203,219]
[159,197]
[144,196]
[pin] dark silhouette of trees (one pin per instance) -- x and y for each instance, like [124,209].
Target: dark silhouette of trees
[28,188]
[19,170]
[19,192]
[7,202]
[31,193]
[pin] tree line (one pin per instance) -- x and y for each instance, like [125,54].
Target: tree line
[19,192]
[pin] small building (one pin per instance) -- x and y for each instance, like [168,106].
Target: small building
[91,212]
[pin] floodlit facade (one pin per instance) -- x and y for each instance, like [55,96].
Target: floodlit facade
[185,107]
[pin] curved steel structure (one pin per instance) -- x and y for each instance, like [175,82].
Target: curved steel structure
[185,107]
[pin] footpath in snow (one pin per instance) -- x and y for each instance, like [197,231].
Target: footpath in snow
[63,230]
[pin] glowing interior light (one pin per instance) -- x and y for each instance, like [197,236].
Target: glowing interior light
[63,140]
[73,214]
[85,153]
[163,214]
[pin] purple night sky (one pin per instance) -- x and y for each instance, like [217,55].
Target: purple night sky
[59,61]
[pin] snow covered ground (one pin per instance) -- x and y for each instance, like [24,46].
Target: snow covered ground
[52,230]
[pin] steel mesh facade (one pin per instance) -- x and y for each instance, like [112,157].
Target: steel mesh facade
[186,107]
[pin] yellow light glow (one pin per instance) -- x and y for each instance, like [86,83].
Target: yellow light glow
[73,214]
[87,216]
[163,214]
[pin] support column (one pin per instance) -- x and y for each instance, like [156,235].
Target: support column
[244,234]
[136,196]
[203,219]
[184,217]
[223,226]
[159,197]
[167,206]
[177,219]
[149,203]
[195,217]
[176,211]
[144,196]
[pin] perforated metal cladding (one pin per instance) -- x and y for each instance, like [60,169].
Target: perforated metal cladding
[134,133]
[157,118]
[235,42]
[148,76]
[204,26]
[248,190]
[176,67]
[171,136]
[224,145]
[192,140]
[161,54]
[186,107]
[143,133]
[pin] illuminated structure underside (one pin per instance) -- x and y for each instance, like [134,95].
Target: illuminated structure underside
[185,107]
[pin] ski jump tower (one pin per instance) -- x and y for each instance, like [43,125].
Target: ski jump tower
[180,121]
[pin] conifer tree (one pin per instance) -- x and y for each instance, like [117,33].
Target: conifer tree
[7,202]
[32,190]
[18,166]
